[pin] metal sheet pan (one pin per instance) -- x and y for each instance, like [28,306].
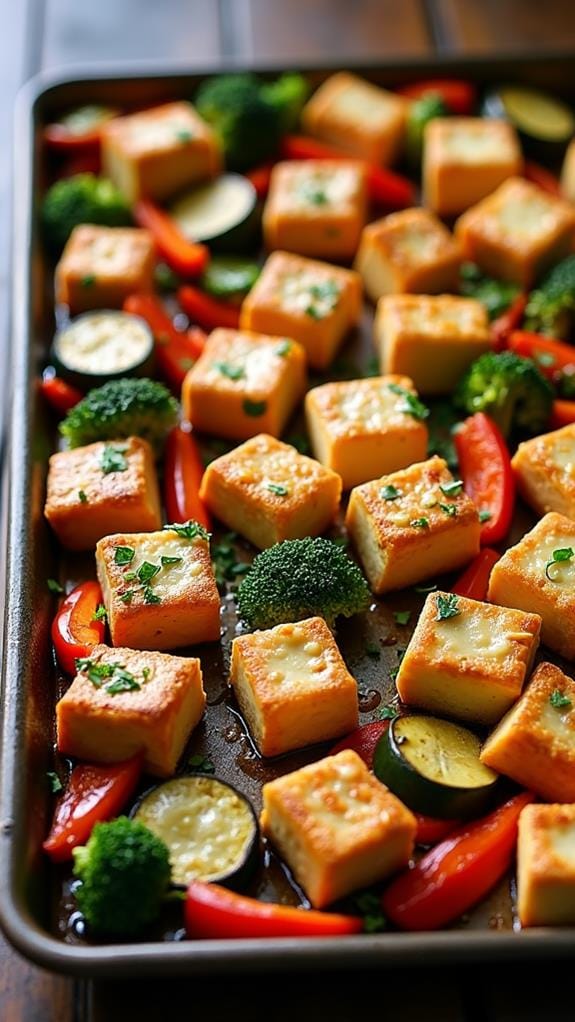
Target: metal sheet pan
[28,888]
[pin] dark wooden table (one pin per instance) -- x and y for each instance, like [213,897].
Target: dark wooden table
[60,33]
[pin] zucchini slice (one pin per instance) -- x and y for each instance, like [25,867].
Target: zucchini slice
[103,345]
[222,213]
[210,829]
[544,122]
[433,766]
[230,277]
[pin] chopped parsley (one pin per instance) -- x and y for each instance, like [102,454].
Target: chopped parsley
[402,617]
[447,606]
[54,586]
[369,906]
[113,459]
[419,523]
[201,764]
[299,441]
[559,701]
[150,596]
[565,553]
[226,566]
[452,489]
[189,530]
[147,571]
[278,489]
[388,712]
[313,193]
[124,555]
[100,613]
[449,509]
[82,497]
[411,404]
[127,596]
[283,348]
[373,650]
[54,782]
[389,492]
[88,281]
[166,562]
[324,298]
[484,515]
[115,676]
[254,408]
[230,372]
[125,683]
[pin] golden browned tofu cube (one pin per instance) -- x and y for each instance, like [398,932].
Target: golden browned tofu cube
[411,525]
[363,429]
[156,153]
[102,488]
[101,266]
[267,492]
[538,575]
[293,687]
[159,588]
[466,659]
[465,159]
[432,339]
[244,383]
[337,827]
[358,117]
[535,742]
[410,251]
[124,701]
[316,208]
[545,471]
[313,302]
[568,172]
[517,232]
[546,866]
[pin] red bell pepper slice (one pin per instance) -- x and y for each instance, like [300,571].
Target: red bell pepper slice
[95,792]
[208,311]
[187,258]
[474,581]
[363,741]
[460,97]
[385,187]
[61,137]
[486,471]
[551,356]
[176,350]
[183,471]
[510,320]
[83,162]
[539,175]
[212,912]
[260,178]
[562,414]
[457,873]
[75,631]
[61,396]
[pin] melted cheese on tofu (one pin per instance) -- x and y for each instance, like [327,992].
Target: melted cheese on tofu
[322,189]
[476,143]
[166,128]
[110,253]
[309,292]
[297,660]
[415,244]
[562,452]
[373,406]
[534,560]
[559,722]
[340,798]
[172,579]
[478,634]
[262,464]
[367,106]
[526,218]
[246,366]
[417,498]
[439,319]
[561,838]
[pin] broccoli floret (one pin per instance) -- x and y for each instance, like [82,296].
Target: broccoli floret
[551,306]
[508,388]
[82,199]
[288,95]
[132,406]
[247,124]
[301,578]
[420,113]
[495,295]
[125,872]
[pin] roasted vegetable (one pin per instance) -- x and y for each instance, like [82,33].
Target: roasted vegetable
[301,578]
[420,113]
[551,307]
[134,406]
[248,125]
[287,95]
[495,295]
[125,872]
[82,199]
[510,389]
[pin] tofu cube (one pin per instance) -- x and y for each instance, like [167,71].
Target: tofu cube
[534,744]
[432,339]
[124,701]
[546,866]
[101,266]
[293,687]
[244,383]
[267,492]
[314,303]
[102,488]
[517,232]
[465,159]
[568,172]
[337,827]
[358,117]
[159,588]
[410,251]
[156,153]
[316,208]
[466,659]
[363,429]
[529,577]
[545,471]
[411,525]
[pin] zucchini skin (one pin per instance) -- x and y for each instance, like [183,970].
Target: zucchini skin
[86,380]
[542,148]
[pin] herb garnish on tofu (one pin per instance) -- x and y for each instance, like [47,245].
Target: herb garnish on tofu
[114,678]
[561,554]
[189,530]
[124,554]
[559,700]
[411,405]
[114,459]
[389,492]
[447,606]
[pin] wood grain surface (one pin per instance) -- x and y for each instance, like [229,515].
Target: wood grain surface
[61,33]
